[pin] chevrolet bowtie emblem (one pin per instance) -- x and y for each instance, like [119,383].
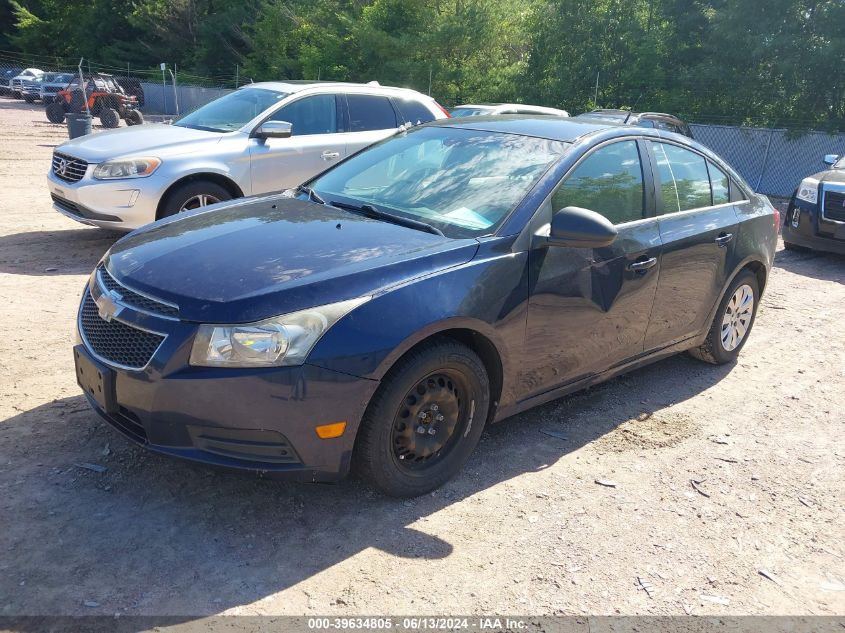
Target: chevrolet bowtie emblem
[106,306]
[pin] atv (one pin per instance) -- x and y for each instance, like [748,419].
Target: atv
[105,99]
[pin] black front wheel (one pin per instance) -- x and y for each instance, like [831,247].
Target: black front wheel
[424,421]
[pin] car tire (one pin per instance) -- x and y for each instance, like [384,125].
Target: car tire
[134,117]
[391,454]
[109,118]
[794,247]
[192,195]
[55,112]
[47,100]
[739,314]
[29,98]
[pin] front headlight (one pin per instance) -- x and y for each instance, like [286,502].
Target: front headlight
[808,190]
[274,342]
[126,168]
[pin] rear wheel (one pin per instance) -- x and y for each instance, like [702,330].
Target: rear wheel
[109,117]
[193,195]
[55,112]
[424,421]
[733,321]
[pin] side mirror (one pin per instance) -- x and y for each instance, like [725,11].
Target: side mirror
[829,159]
[274,129]
[581,228]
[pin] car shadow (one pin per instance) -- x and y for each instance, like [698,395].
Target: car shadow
[815,264]
[61,252]
[152,535]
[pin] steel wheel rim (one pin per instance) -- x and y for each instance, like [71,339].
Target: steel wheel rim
[737,317]
[197,201]
[430,419]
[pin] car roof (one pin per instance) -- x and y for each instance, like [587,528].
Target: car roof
[297,85]
[554,128]
[610,113]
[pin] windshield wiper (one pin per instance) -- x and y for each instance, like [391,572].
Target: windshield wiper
[312,195]
[370,211]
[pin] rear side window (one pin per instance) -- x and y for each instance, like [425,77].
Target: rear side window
[609,181]
[310,115]
[413,111]
[684,181]
[368,112]
[719,182]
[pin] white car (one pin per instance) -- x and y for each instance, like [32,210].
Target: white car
[504,108]
[16,83]
[260,138]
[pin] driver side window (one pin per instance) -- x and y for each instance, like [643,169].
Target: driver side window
[609,181]
[310,115]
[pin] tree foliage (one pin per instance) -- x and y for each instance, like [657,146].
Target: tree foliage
[758,61]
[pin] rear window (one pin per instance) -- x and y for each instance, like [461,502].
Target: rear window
[413,111]
[369,112]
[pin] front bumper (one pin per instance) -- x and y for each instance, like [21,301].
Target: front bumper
[120,205]
[255,420]
[804,225]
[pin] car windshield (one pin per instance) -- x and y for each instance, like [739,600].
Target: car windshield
[459,112]
[231,112]
[462,182]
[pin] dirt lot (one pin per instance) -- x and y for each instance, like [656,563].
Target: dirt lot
[525,529]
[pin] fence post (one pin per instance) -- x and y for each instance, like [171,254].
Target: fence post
[765,160]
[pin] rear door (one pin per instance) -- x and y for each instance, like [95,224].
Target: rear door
[370,118]
[589,309]
[698,227]
[316,143]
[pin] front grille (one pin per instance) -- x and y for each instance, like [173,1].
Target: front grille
[68,168]
[65,205]
[132,298]
[114,341]
[834,205]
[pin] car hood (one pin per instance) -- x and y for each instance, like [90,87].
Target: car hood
[155,139]
[266,256]
[833,175]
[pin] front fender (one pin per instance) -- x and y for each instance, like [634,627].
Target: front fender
[487,295]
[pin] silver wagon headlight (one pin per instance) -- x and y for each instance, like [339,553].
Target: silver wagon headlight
[274,342]
[127,168]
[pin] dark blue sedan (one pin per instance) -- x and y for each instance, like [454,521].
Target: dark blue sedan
[379,316]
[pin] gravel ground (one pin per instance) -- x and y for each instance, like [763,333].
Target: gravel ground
[524,529]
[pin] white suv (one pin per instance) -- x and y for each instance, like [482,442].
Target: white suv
[260,138]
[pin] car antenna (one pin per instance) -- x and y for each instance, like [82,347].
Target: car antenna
[635,105]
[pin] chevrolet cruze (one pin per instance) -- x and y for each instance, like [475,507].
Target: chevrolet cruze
[377,317]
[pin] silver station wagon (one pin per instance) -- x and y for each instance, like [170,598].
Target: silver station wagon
[263,137]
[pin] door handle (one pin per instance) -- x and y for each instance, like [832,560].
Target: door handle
[642,266]
[327,155]
[724,238]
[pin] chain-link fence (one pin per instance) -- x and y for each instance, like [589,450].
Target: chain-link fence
[773,161]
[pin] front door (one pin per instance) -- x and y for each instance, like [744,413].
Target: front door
[315,145]
[698,228]
[589,309]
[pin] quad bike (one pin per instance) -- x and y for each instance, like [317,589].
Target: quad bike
[105,98]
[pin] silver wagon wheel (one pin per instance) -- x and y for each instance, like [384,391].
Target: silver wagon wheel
[197,201]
